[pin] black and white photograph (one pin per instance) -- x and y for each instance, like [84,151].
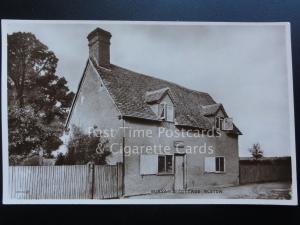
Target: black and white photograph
[111,112]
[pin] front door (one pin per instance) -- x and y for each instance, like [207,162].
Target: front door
[179,172]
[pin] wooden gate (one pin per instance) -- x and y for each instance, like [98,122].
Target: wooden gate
[65,182]
[105,183]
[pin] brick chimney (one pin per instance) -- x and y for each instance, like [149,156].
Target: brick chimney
[99,47]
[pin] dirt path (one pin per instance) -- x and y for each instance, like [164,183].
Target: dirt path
[276,190]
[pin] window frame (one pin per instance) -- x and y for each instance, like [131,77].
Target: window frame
[219,122]
[167,112]
[215,160]
[164,106]
[219,171]
[165,172]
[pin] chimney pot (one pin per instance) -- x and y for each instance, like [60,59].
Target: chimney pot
[99,47]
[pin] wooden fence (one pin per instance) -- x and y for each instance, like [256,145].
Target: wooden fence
[265,170]
[65,182]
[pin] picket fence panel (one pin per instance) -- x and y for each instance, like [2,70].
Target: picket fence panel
[64,182]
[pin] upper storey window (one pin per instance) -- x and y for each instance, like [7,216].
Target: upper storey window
[224,123]
[219,122]
[161,103]
[166,112]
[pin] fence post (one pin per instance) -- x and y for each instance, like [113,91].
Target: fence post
[120,179]
[91,166]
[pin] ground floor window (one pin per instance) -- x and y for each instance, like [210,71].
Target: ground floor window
[215,164]
[156,164]
[165,164]
[220,164]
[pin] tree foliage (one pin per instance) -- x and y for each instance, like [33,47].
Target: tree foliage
[256,151]
[84,148]
[38,99]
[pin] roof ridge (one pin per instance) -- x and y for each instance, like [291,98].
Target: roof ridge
[206,106]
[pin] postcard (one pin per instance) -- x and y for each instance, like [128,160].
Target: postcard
[119,112]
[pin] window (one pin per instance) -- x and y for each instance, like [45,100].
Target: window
[162,110]
[165,164]
[219,164]
[166,112]
[156,164]
[227,124]
[219,122]
[215,164]
[170,112]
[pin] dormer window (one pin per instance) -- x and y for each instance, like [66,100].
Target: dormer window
[166,112]
[161,102]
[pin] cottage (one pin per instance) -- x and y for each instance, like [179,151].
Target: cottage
[168,137]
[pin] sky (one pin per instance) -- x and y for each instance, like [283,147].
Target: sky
[242,67]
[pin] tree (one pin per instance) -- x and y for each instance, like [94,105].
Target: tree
[84,148]
[38,99]
[256,151]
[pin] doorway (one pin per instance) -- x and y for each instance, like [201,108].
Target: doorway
[179,172]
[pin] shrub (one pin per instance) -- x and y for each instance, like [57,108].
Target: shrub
[84,148]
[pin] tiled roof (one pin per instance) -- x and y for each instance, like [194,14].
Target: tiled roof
[155,96]
[209,110]
[131,91]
